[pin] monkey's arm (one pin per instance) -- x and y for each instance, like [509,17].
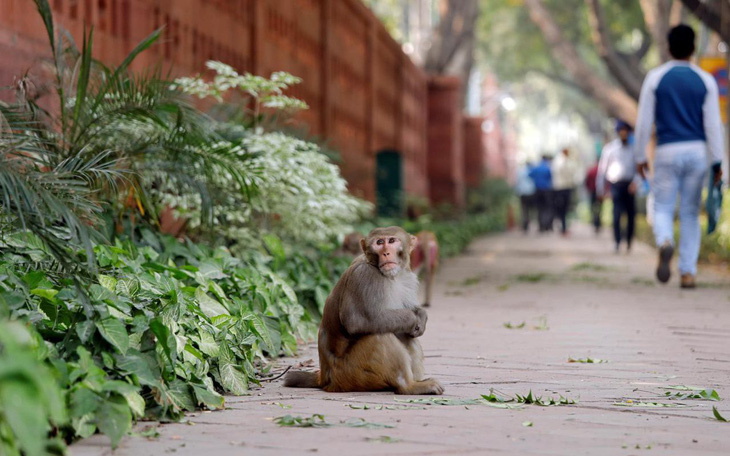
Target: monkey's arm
[363,308]
[357,321]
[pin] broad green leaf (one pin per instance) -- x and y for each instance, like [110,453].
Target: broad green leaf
[361,423]
[717,415]
[209,306]
[127,287]
[84,402]
[100,293]
[84,426]
[114,418]
[275,248]
[262,329]
[207,344]
[142,365]
[11,300]
[37,279]
[315,420]
[108,282]
[209,398]
[179,394]
[85,329]
[232,378]
[165,338]
[115,332]
[24,412]
[49,294]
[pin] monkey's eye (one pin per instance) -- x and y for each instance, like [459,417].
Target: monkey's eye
[380,242]
[391,241]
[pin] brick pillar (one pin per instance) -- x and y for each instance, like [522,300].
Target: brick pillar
[445,142]
[475,158]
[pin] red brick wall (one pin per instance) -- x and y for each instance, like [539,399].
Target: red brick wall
[445,143]
[364,93]
[475,156]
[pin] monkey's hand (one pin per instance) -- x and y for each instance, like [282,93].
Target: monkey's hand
[420,327]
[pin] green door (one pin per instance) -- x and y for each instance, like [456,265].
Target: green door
[389,182]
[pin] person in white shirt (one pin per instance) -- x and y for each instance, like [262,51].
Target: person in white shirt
[525,189]
[564,172]
[681,100]
[617,167]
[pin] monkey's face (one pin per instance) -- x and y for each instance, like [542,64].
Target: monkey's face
[388,249]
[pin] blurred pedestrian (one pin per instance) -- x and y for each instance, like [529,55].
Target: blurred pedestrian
[618,168]
[564,172]
[596,199]
[542,177]
[682,101]
[525,189]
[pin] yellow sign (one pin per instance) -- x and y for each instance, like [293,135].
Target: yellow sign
[717,67]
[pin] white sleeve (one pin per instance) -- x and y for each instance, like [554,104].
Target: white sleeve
[712,120]
[645,119]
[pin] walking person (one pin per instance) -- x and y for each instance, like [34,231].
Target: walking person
[682,101]
[542,177]
[525,189]
[618,168]
[596,199]
[564,172]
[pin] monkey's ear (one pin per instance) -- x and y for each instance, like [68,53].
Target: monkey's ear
[363,245]
[414,243]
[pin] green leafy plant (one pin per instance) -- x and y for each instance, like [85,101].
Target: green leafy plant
[384,439]
[164,328]
[587,360]
[633,403]
[707,394]
[531,399]
[31,402]
[509,325]
[717,415]
[314,421]
[532,277]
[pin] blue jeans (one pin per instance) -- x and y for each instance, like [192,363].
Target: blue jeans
[679,171]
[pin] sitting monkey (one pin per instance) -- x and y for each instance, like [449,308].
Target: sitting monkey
[351,245]
[425,259]
[371,322]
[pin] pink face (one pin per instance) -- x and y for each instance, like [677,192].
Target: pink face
[388,248]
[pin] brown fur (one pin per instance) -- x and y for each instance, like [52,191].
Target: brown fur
[424,261]
[371,322]
[351,245]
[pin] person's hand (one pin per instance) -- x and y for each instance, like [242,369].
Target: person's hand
[642,168]
[718,175]
[632,188]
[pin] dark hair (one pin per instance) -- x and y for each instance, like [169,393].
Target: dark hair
[681,41]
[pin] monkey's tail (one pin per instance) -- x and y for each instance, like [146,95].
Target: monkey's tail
[302,379]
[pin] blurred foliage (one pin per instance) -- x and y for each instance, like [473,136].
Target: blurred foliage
[166,327]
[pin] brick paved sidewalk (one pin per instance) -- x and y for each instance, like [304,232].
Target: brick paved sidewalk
[577,299]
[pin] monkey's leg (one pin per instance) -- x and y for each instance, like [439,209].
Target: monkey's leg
[416,354]
[419,385]
[429,282]
[369,365]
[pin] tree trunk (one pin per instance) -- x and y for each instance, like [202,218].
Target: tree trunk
[613,99]
[452,49]
[656,16]
[630,76]
[716,17]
